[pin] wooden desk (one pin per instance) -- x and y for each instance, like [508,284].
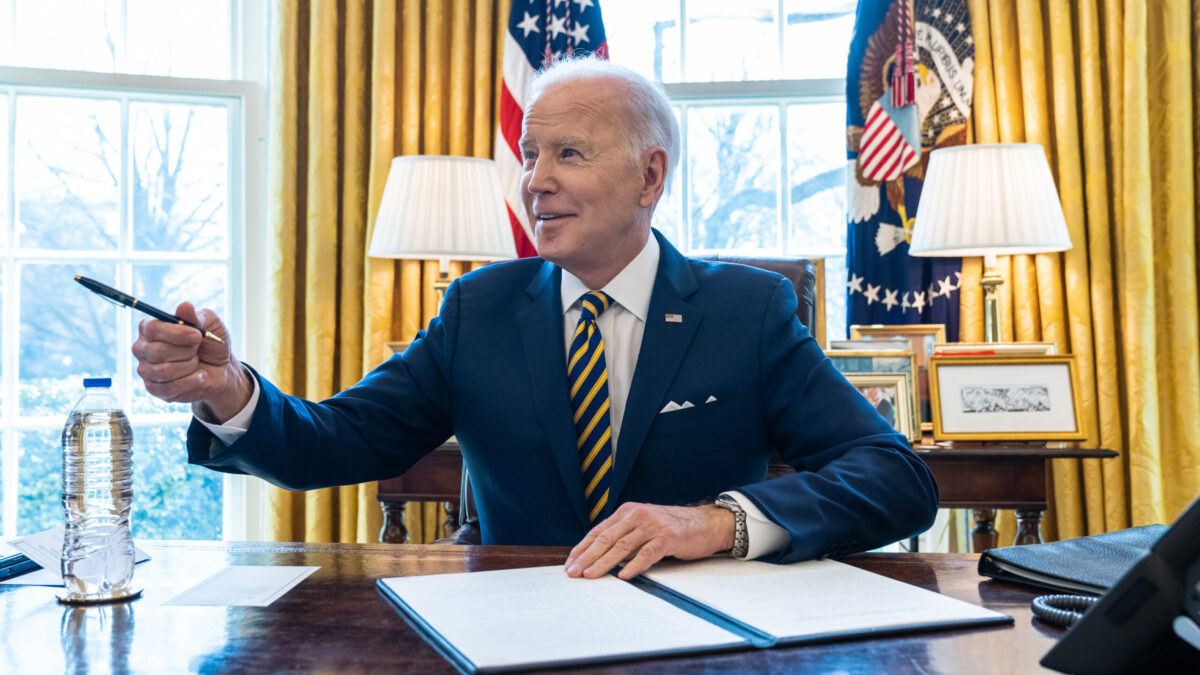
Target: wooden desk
[985,479]
[336,621]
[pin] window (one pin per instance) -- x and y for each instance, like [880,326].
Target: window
[132,174]
[759,88]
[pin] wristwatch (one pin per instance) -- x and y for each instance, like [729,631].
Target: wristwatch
[741,542]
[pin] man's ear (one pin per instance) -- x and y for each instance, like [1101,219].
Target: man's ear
[654,176]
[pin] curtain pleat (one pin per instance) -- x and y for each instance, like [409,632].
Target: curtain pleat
[1110,89]
[355,83]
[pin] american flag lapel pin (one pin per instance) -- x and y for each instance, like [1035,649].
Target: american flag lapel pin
[674,318]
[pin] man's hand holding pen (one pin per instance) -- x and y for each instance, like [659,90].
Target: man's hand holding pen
[179,365]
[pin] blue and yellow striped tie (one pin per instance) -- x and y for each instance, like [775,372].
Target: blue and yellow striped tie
[587,374]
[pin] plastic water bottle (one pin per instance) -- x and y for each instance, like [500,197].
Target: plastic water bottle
[97,495]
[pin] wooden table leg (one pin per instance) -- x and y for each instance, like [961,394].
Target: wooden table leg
[393,530]
[984,535]
[451,523]
[1029,526]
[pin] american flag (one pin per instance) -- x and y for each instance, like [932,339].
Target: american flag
[538,31]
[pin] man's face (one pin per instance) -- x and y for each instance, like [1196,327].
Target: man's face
[585,196]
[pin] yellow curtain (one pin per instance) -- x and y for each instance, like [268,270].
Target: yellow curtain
[353,84]
[1111,88]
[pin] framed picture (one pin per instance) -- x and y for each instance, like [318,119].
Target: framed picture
[889,393]
[923,338]
[1007,398]
[996,349]
[874,362]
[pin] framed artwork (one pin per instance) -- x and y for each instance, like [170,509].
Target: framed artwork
[1006,398]
[923,338]
[889,393]
[874,362]
[996,349]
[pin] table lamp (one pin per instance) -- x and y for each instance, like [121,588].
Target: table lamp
[443,208]
[989,200]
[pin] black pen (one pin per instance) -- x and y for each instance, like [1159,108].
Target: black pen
[130,301]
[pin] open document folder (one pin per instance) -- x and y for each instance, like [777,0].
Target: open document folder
[538,617]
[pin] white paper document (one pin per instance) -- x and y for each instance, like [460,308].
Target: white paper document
[812,599]
[244,585]
[45,549]
[540,616]
[523,618]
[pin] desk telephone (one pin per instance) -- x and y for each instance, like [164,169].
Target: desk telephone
[1149,619]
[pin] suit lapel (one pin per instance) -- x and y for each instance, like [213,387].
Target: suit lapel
[663,345]
[540,325]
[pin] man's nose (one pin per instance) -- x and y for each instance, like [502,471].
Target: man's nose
[540,177]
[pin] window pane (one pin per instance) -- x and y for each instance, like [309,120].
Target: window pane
[733,158]
[814,32]
[66,34]
[180,38]
[817,172]
[732,41]
[67,333]
[172,499]
[5,221]
[39,458]
[68,164]
[165,286]
[835,298]
[644,36]
[180,192]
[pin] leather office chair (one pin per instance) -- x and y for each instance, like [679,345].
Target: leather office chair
[430,479]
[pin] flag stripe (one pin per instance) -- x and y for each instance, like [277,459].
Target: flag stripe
[526,43]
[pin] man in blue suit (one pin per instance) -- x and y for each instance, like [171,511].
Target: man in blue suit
[611,394]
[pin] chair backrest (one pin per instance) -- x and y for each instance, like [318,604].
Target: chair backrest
[808,279]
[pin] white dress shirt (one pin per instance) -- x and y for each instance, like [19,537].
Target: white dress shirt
[621,327]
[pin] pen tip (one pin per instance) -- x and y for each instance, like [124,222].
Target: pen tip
[211,336]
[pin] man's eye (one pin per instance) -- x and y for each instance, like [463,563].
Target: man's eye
[528,156]
[569,152]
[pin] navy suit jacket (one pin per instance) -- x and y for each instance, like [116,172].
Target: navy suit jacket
[491,369]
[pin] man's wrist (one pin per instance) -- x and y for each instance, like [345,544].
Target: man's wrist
[740,543]
[220,411]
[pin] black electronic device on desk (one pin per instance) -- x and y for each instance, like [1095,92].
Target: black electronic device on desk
[1150,619]
[16,565]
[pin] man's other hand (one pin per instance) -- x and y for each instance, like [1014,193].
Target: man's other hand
[643,534]
[179,366]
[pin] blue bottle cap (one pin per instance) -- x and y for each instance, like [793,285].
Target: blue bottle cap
[89,382]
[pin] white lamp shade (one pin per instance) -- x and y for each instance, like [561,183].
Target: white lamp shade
[439,207]
[989,199]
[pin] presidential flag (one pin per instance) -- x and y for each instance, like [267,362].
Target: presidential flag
[538,32]
[908,91]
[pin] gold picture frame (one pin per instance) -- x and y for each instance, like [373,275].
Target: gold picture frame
[894,408]
[1004,349]
[860,361]
[924,338]
[1028,398]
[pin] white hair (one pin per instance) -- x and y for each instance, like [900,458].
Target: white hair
[651,120]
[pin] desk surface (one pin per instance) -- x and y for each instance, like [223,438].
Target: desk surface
[336,620]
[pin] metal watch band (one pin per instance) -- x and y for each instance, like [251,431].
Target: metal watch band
[741,541]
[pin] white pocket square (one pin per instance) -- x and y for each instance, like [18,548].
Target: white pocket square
[711,399]
[671,406]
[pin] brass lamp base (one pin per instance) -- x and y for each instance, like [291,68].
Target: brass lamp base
[991,281]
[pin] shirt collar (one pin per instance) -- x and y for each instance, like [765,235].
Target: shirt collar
[631,288]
